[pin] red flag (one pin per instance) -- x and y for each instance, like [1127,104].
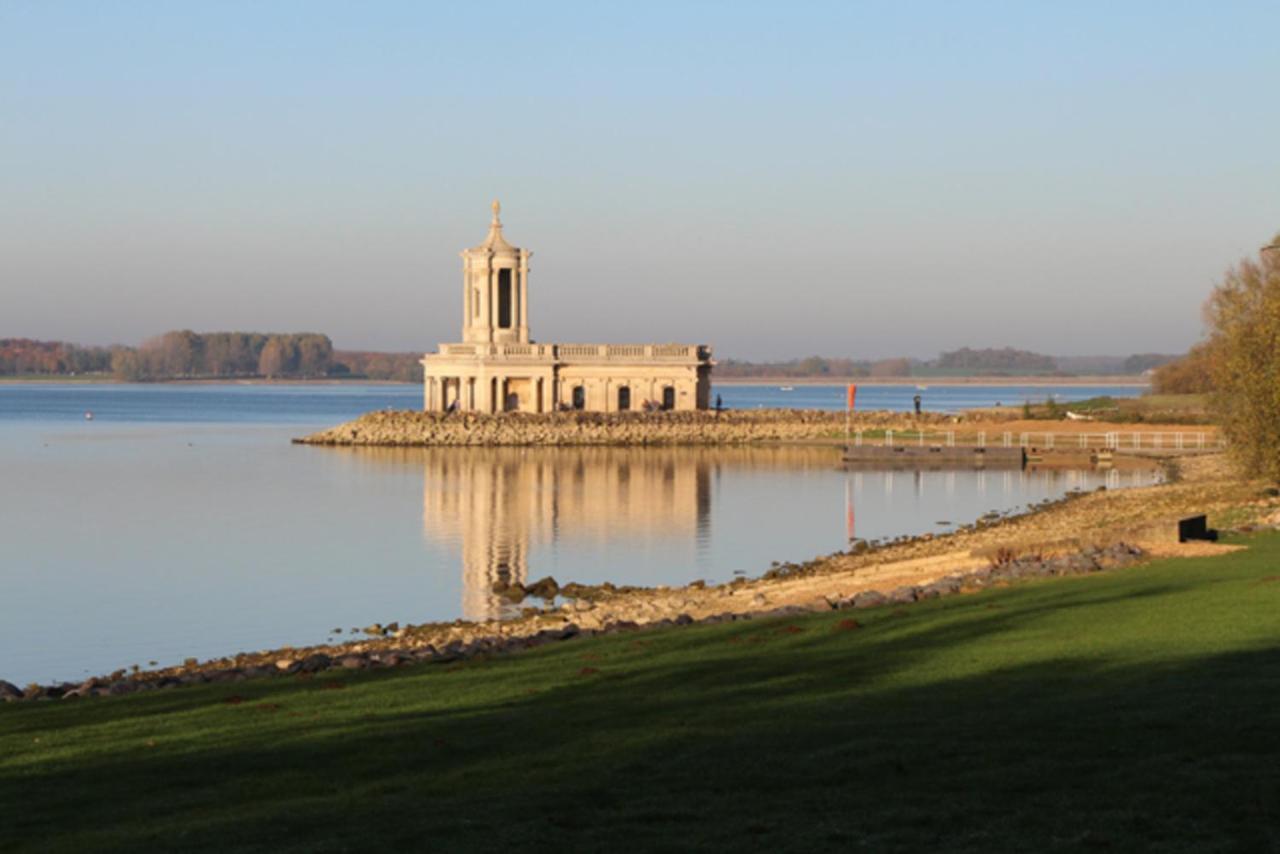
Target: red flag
[853,392]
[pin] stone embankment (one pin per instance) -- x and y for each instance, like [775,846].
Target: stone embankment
[731,427]
[409,649]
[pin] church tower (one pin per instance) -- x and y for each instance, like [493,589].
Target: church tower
[495,279]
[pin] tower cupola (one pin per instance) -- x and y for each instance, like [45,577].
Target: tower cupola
[495,281]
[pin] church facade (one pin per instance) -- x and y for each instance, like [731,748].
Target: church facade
[497,368]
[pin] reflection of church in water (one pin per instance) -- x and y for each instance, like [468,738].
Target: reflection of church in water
[502,503]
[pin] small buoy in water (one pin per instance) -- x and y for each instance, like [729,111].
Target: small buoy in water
[88,416]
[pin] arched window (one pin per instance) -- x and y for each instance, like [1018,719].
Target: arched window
[624,398]
[504,299]
[579,397]
[669,397]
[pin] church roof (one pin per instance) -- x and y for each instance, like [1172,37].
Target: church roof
[495,242]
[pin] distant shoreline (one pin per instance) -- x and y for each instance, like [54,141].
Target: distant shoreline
[1127,380]
[1037,381]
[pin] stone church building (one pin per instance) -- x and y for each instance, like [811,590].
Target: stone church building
[497,368]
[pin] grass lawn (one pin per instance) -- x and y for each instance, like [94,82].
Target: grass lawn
[1135,710]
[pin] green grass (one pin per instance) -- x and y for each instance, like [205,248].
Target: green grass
[1154,408]
[1134,710]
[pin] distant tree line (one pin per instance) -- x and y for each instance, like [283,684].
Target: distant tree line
[395,367]
[183,354]
[25,356]
[967,361]
[990,360]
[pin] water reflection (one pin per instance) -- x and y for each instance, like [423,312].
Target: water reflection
[516,514]
[501,504]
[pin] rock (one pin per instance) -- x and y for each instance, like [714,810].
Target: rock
[514,592]
[543,588]
[903,595]
[314,663]
[288,665]
[759,599]
[870,599]
[683,620]
[9,692]
[117,689]
[353,662]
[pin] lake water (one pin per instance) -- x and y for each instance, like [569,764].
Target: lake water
[181,522]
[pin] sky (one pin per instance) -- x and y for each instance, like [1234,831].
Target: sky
[863,179]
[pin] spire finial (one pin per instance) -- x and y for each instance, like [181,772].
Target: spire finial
[497,209]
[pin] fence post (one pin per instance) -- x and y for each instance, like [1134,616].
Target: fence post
[920,438]
[888,438]
[1008,439]
[951,438]
[982,438]
[857,439]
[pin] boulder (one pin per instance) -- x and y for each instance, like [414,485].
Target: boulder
[869,599]
[903,595]
[314,663]
[9,692]
[353,662]
[543,588]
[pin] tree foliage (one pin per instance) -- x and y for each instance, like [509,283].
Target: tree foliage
[1244,338]
[993,360]
[1191,374]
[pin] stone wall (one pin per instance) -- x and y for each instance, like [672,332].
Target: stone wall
[731,427]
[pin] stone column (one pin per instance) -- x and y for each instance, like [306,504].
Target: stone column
[467,310]
[486,301]
[523,321]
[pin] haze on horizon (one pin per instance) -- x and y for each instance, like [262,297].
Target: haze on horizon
[777,180]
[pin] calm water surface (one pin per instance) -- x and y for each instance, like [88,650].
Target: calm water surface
[180,521]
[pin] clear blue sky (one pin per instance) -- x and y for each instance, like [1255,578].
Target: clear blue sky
[865,179]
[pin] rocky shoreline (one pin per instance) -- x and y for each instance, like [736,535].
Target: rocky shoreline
[1003,569]
[401,428]
[1081,533]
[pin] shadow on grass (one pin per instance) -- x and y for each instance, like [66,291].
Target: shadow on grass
[970,724]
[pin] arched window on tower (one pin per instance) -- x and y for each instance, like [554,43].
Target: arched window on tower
[504,298]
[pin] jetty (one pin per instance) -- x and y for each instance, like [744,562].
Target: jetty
[925,449]
[924,456]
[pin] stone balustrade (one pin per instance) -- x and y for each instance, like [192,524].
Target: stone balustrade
[581,352]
